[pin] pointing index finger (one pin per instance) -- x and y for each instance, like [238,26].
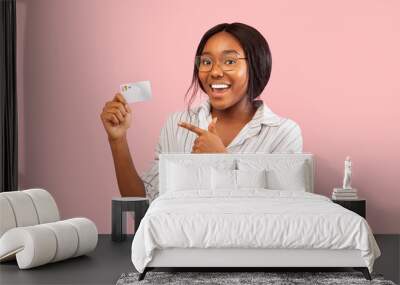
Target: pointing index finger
[191,128]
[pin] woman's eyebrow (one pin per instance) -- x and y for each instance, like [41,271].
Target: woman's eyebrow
[225,51]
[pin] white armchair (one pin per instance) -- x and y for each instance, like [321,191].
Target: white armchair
[32,233]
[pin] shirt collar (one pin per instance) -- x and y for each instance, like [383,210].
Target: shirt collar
[263,115]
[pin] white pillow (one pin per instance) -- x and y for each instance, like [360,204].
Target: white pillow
[251,178]
[188,177]
[236,179]
[223,179]
[288,178]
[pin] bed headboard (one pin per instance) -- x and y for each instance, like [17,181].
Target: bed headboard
[248,160]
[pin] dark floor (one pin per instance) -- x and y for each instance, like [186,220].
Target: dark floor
[102,266]
[111,259]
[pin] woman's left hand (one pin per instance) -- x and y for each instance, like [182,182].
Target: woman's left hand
[208,141]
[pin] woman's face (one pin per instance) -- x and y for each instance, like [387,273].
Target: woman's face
[220,45]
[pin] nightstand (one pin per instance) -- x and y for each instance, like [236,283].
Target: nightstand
[119,205]
[357,206]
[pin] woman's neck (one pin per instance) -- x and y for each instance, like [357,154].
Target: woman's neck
[240,113]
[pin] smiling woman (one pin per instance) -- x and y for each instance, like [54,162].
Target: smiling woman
[232,66]
[247,61]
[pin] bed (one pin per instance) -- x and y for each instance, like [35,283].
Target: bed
[245,211]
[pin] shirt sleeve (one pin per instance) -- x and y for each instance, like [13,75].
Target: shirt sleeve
[290,141]
[150,177]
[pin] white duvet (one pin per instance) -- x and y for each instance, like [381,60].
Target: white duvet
[251,218]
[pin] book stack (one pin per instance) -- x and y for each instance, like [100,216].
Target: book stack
[344,194]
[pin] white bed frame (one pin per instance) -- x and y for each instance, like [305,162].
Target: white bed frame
[249,257]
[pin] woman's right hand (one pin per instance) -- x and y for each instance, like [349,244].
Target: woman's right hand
[116,117]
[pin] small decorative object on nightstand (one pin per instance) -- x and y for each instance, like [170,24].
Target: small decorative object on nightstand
[346,192]
[358,206]
[120,205]
[347,173]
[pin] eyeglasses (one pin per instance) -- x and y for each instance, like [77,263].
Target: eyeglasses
[205,63]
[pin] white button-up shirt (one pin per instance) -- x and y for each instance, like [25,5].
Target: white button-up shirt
[265,133]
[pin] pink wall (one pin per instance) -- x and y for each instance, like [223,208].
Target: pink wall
[335,72]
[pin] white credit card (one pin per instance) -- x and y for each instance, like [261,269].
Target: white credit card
[136,92]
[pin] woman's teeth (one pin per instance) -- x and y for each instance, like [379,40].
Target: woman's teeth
[219,87]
